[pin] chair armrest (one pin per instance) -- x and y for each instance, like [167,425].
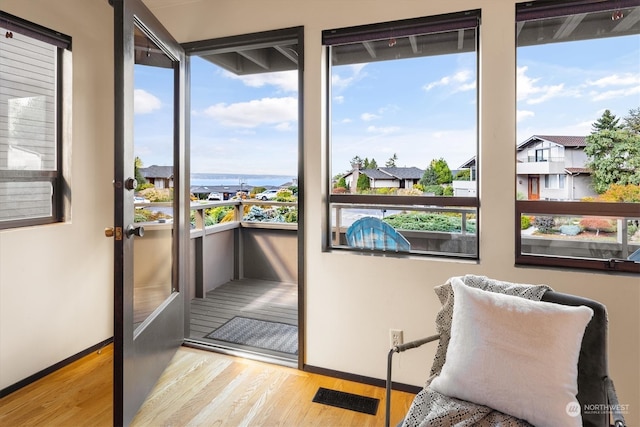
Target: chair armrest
[398,349]
[614,405]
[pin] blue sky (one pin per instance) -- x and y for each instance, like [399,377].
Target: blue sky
[421,109]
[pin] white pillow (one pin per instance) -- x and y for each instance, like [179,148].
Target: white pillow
[514,355]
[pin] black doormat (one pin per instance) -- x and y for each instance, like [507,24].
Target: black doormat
[353,402]
[274,336]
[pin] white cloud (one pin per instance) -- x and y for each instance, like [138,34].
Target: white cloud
[382,130]
[459,81]
[613,94]
[338,99]
[353,74]
[367,117]
[255,113]
[286,81]
[523,114]
[144,102]
[532,93]
[626,79]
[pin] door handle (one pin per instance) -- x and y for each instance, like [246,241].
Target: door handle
[134,231]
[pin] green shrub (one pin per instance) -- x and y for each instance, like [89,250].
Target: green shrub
[570,230]
[256,190]
[216,215]
[429,222]
[525,222]
[435,189]
[544,224]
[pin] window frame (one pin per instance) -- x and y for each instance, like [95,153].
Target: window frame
[55,177]
[431,24]
[550,9]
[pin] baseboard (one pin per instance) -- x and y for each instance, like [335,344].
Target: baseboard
[38,375]
[361,379]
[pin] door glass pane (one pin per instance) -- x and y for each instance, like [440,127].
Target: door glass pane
[154,195]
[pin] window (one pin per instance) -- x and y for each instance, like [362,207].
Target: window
[554,181]
[578,148]
[403,128]
[31,184]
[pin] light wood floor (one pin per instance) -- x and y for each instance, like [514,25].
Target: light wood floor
[198,388]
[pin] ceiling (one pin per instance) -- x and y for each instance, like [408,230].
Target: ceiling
[254,58]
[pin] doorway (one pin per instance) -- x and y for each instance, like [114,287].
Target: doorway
[246,168]
[534,188]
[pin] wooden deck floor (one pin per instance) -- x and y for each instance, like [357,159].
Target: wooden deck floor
[257,299]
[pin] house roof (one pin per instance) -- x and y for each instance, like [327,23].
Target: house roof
[391,173]
[404,173]
[469,163]
[578,170]
[565,141]
[156,171]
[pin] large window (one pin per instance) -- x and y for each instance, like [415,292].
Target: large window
[31,59]
[578,148]
[403,126]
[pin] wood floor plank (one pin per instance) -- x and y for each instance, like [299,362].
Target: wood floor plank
[198,388]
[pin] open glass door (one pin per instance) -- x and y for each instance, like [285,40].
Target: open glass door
[150,250]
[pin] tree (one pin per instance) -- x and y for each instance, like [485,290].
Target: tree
[442,170]
[632,121]
[342,183]
[429,177]
[608,121]
[391,163]
[373,164]
[463,175]
[613,157]
[138,175]
[437,173]
[363,182]
[356,161]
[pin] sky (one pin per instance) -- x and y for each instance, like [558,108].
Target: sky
[421,109]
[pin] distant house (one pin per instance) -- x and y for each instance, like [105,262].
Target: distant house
[159,176]
[395,177]
[548,168]
[466,188]
[553,168]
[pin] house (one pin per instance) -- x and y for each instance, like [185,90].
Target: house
[57,280]
[552,167]
[394,177]
[469,187]
[548,168]
[159,176]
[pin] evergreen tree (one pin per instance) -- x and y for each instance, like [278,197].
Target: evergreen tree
[608,121]
[429,177]
[373,164]
[363,182]
[391,163]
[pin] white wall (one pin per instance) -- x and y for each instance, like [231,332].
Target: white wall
[352,300]
[56,281]
[64,304]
